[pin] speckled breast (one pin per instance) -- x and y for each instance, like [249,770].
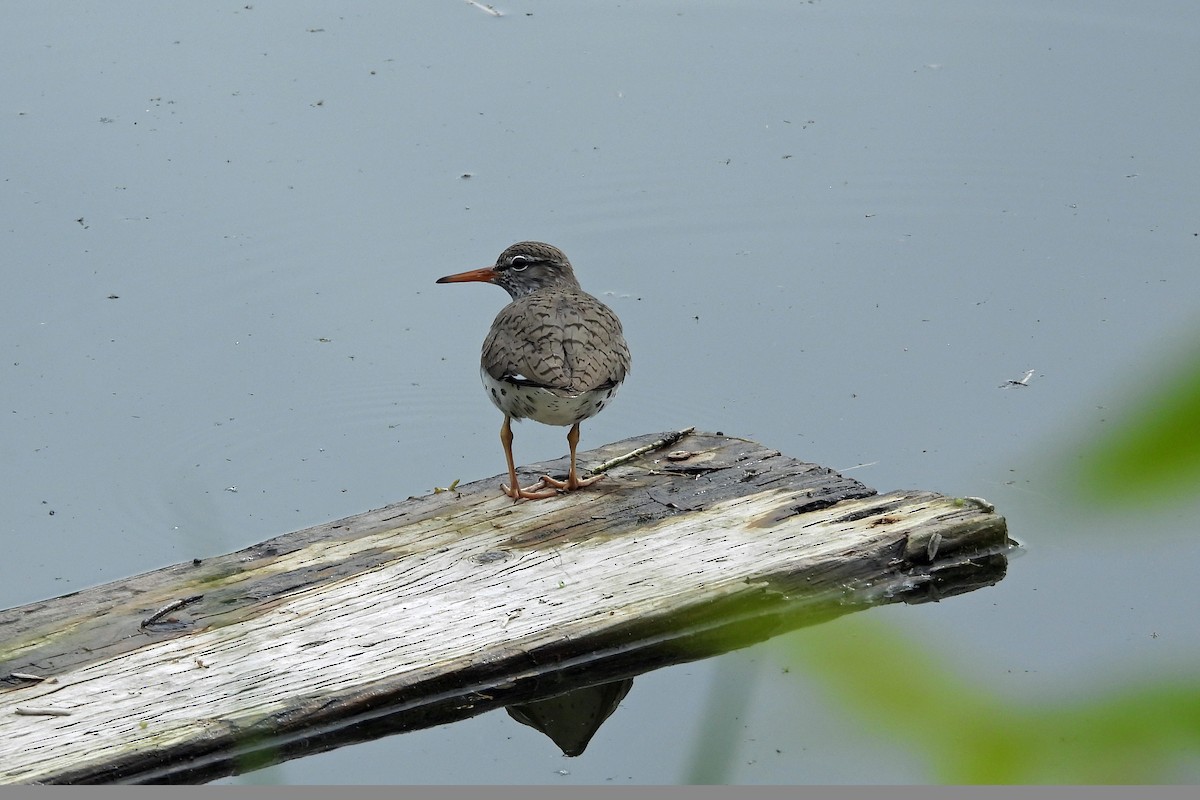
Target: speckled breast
[547,406]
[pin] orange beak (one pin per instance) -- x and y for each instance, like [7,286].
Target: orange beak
[485,275]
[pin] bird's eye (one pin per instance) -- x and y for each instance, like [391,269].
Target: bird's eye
[518,263]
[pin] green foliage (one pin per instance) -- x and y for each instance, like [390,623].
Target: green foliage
[1154,453]
[968,734]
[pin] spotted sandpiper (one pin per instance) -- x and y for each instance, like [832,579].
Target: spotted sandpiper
[555,354]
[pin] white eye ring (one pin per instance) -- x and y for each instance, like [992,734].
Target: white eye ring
[518,263]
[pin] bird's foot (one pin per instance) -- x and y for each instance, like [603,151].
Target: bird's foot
[537,491]
[572,482]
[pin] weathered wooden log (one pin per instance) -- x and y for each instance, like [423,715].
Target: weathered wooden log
[445,606]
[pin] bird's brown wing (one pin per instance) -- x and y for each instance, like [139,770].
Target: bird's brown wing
[568,341]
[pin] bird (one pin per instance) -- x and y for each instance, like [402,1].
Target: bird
[554,354]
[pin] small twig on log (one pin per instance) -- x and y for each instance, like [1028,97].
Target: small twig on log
[29,711]
[978,501]
[168,608]
[666,441]
[25,676]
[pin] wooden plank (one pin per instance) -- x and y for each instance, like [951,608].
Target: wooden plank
[448,605]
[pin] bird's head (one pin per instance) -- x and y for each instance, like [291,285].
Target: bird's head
[522,269]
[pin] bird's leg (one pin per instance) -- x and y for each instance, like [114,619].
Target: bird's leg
[573,480]
[513,490]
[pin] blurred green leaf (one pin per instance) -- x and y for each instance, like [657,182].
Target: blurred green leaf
[968,734]
[1154,453]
